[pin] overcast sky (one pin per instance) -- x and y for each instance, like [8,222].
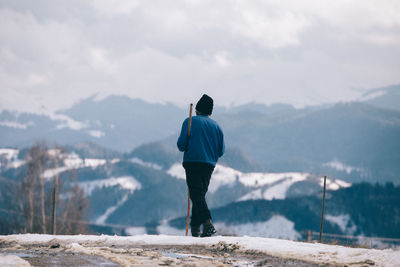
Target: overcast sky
[53,53]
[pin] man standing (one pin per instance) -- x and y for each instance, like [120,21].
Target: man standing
[201,152]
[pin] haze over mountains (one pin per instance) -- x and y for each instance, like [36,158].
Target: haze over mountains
[358,140]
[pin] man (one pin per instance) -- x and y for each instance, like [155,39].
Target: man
[201,152]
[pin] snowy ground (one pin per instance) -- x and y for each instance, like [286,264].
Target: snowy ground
[154,250]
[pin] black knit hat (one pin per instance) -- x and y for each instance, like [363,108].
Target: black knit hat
[205,105]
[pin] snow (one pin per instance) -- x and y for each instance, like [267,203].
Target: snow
[146,164]
[12,260]
[96,133]
[226,176]
[136,231]
[165,229]
[124,182]
[16,164]
[278,183]
[114,161]
[11,157]
[67,122]
[49,173]
[177,171]
[16,125]
[343,221]
[9,153]
[71,161]
[312,252]
[259,179]
[94,163]
[255,194]
[371,95]
[334,184]
[339,166]
[279,190]
[222,176]
[277,227]
[103,218]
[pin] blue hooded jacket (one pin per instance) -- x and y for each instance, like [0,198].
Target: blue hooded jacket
[206,141]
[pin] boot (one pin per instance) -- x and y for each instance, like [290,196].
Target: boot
[208,229]
[195,231]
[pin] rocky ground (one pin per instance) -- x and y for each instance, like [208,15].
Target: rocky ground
[169,250]
[221,254]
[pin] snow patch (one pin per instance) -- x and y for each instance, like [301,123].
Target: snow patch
[334,184]
[255,194]
[71,161]
[276,227]
[67,122]
[16,125]
[177,171]
[103,218]
[11,157]
[256,179]
[9,153]
[94,163]
[165,229]
[278,191]
[312,252]
[96,133]
[12,260]
[339,166]
[372,95]
[146,164]
[114,161]
[343,221]
[136,231]
[222,176]
[124,182]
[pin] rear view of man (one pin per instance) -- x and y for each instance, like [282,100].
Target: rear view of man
[201,152]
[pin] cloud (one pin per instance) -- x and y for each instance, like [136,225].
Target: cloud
[300,52]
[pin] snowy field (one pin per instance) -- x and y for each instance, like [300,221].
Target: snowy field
[128,250]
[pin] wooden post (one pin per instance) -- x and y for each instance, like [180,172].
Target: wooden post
[322,213]
[309,236]
[55,192]
[188,209]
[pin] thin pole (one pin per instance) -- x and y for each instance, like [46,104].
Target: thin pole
[55,193]
[188,209]
[322,213]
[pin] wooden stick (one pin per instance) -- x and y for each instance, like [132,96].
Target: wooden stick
[188,209]
[322,213]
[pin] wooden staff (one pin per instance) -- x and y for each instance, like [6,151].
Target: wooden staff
[188,209]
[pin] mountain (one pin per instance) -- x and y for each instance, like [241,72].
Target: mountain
[355,141]
[385,97]
[143,190]
[362,209]
[148,185]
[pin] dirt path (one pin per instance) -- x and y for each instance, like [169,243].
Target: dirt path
[221,254]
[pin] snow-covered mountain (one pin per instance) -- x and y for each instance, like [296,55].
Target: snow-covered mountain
[357,140]
[144,196]
[129,190]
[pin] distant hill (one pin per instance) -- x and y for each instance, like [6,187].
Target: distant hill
[351,141]
[363,209]
[355,142]
[148,184]
[385,97]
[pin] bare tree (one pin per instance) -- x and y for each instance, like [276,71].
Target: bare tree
[34,198]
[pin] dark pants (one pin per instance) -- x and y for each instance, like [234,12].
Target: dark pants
[198,177]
